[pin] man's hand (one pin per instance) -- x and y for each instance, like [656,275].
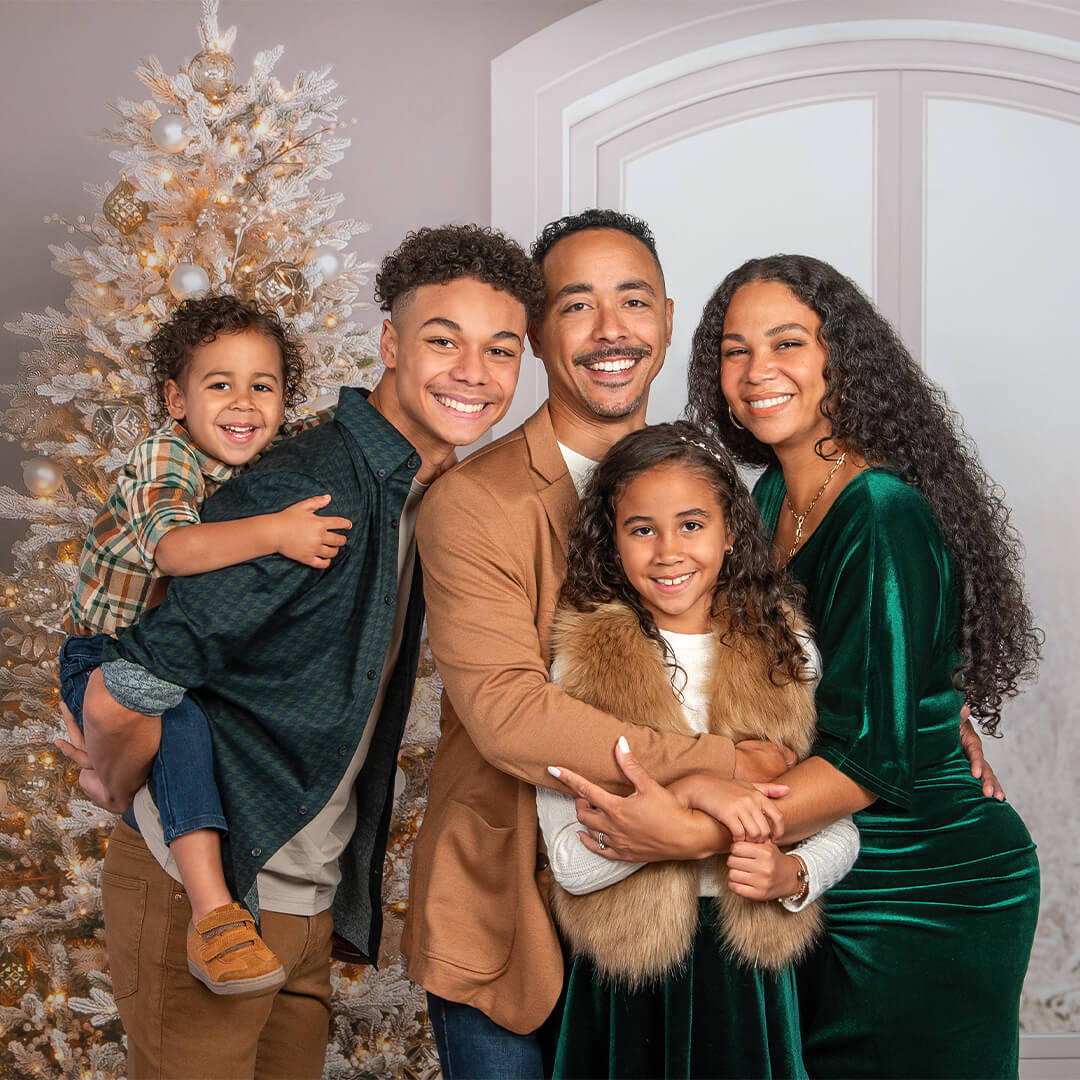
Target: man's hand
[758,761]
[74,747]
[655,824]
[971,744]
[761,872]
[121,743]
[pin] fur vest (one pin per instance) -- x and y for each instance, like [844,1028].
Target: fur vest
[641,928]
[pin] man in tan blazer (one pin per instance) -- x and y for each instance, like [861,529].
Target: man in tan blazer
[492,538]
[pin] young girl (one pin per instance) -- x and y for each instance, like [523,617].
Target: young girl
[225,372]
[672,616]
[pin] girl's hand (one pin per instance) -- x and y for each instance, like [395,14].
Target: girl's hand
[746,810]
[651,825]
[762,872]
[305,537]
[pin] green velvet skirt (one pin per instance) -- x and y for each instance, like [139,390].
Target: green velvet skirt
[714,1019]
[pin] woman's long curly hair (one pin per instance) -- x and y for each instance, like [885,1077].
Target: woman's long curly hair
[881,406]
[752,596]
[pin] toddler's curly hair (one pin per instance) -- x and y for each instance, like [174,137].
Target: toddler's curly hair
[198,322]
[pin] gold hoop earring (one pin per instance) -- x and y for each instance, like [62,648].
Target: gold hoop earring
[729,549]
[735,422]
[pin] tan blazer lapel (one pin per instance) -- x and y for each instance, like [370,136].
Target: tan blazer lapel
[554,485]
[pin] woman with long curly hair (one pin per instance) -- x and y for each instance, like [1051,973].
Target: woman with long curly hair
[876,503]
[672,616]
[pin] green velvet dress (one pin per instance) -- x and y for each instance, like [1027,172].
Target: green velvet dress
[929,934]
[715,1018]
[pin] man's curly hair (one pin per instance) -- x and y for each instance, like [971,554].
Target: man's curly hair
[199,322]
[558,230]
[751,597]
[881,406]
[437,256]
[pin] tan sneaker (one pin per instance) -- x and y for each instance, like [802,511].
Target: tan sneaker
[226,954]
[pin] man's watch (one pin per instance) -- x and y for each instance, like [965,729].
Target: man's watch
[803,877]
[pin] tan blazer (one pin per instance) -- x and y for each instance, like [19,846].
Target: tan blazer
[492,537]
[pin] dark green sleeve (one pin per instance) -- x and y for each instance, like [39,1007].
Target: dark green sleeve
[209,623]
[879,604]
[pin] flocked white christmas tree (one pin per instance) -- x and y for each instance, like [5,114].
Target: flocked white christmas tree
[221,190]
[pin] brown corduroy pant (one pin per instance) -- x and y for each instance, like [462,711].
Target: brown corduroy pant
[176,1028]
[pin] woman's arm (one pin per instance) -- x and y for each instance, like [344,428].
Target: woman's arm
[819,794]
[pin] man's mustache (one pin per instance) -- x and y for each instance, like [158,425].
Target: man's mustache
[612,352]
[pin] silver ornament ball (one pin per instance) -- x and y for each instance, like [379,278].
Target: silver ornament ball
[42,476]
[329,262]
[188,281]
[168,133]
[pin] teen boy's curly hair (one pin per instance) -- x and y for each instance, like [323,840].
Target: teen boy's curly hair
[441,255]
[881,406]
[752,596]
[198,322]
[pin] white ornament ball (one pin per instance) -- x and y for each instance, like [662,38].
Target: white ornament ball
[188,281]
[42,476]
[329,262]
[168,133]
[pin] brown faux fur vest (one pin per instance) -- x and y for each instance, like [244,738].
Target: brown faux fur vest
[641,928]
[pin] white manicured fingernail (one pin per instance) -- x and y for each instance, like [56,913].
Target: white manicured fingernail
[554,772]
[624,746]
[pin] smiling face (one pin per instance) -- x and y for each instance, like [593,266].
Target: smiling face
[671,536]
[772,366]
[606,324]
[230,396]
[452,354]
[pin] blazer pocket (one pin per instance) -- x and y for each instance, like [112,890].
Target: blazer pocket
[472,892]
[124,901]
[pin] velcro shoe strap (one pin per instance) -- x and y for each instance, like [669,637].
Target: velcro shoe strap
[232,937]
[229,915]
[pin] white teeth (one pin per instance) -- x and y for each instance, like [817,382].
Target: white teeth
[237,430]
[460,406]
[675,580]
[611,365]
[767,402]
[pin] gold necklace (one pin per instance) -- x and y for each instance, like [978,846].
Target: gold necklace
[801,518]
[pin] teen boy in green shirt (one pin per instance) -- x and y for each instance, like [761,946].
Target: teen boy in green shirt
[306,675]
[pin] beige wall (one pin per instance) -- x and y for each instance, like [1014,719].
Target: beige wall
[415,73]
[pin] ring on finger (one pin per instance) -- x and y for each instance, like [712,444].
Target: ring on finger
[600,841]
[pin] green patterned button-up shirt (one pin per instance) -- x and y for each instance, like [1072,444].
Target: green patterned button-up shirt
[285,659]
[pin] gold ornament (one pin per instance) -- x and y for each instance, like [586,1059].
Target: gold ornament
[119,426]
[283,285]
[14,978]
[122,209]
[42,476]
[211,74]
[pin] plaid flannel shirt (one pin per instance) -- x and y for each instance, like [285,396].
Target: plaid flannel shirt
[163,484]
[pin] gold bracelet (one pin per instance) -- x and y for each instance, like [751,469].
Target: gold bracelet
[802,875]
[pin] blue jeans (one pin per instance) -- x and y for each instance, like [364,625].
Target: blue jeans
[473,1047]
[183,783]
